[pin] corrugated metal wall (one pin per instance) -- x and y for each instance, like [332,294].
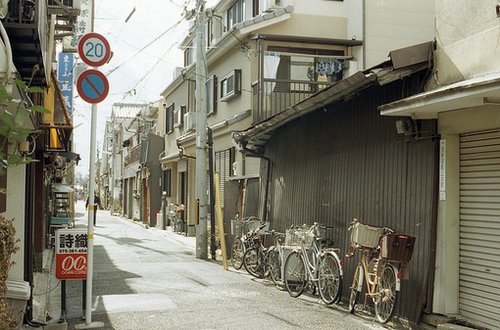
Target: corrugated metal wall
[346,162]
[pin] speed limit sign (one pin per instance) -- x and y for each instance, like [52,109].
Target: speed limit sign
[94,49]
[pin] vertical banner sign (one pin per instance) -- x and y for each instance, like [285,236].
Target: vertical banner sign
[71,254]
[442,170]
[83,25]
[65,77]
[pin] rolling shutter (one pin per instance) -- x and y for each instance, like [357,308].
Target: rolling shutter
[479,282]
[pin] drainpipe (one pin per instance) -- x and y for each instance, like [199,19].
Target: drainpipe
[8,50]
[268,178]
[364,34]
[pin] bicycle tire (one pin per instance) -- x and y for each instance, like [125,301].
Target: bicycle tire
[295,274]
[237,253]
[252,260]
[387,296]
[274,265]
[329,279]
[354,296]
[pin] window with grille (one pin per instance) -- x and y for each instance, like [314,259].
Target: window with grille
[224,166]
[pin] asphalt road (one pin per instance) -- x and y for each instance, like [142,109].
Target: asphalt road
[146,278]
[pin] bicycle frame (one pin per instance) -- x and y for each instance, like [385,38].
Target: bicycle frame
[372,279]
[316,254]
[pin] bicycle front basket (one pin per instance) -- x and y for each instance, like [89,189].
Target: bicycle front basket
[365,235]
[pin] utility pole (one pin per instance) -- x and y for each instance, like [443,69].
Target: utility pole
[201,133]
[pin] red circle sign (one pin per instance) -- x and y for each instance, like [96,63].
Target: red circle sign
[94,49]
[92,86]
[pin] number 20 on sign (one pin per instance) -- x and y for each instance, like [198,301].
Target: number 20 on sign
[94,49]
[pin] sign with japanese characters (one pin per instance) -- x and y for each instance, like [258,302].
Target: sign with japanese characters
[65,77]
[71,254]
[83,25]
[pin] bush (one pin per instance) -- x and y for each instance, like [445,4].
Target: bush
[8,246]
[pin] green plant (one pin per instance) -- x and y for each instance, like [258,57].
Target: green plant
[14,113]
[8,246]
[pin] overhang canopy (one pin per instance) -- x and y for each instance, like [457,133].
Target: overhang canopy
[468,93]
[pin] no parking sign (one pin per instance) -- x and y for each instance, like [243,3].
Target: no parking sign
[71,254]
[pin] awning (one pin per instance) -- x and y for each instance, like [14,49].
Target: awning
[468,93]
[410,60]
[61,187]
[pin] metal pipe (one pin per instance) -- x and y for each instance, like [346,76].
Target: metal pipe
[268,179]
[8,49]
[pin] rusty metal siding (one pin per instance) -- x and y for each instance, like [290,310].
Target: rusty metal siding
[345,162]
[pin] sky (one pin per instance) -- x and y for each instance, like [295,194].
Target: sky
[145,54]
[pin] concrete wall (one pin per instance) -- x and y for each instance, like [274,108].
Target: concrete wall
[467,34]
[16,178]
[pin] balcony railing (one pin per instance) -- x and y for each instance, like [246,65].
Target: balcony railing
[133,156]
[273,96]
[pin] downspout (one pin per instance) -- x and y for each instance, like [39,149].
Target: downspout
[364,34]
[268,178]
[8,50]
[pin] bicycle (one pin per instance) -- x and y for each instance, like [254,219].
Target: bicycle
[175,217]
[383,256]
[260,261]
[242,242]
[314,261]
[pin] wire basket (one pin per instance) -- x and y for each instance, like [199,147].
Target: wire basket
[297,236]
[242,226]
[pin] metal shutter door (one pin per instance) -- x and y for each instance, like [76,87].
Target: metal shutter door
[479,282]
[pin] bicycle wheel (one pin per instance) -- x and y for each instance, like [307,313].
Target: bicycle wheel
[329,279]
[274,265]
[252,260]
[295,274]
[387,296]
[356,287]
[237,253]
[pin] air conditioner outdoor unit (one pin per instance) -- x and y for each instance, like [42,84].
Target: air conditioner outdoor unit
[190,121]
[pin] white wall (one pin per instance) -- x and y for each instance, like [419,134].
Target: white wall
[467,35]
[394,24]
[16,178]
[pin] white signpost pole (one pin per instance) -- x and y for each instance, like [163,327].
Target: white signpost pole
[90,232]
[94,50]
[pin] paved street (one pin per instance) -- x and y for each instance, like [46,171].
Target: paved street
[150,279]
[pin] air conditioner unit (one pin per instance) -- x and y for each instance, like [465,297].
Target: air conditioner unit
[350,68]
[190,121]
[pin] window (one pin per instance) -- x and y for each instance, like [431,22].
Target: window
[235,13]
[169,117]
[179,116]
[189,55]
[230,86]
[191,106]
[166,182]
[255,8]
[212,95]
[224,166]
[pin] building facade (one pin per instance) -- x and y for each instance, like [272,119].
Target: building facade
[462,95]
[263,57]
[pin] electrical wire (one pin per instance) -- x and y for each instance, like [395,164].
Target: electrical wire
[146,46]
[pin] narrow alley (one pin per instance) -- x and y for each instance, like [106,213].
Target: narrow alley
[146,278]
